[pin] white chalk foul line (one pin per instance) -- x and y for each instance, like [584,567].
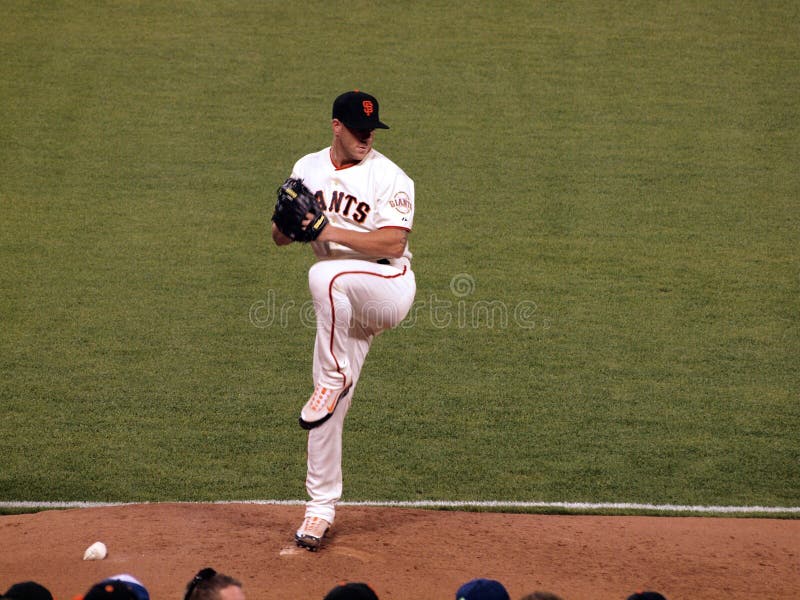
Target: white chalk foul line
[492,504]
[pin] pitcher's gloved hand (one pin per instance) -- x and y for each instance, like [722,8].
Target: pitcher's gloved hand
[296,205]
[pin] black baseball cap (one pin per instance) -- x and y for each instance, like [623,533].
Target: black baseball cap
[357,110]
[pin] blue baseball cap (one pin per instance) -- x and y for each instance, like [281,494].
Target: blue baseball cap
[482,589]
[131,583]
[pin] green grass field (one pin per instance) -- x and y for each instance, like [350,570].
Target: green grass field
[606,242]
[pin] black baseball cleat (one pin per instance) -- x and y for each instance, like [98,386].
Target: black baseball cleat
[321,405]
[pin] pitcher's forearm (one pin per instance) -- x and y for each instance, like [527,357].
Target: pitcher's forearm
[388,242]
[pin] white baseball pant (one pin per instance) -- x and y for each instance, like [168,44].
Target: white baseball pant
[354,301]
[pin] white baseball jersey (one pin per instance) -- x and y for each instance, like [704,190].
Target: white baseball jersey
[356,297]
[373,194]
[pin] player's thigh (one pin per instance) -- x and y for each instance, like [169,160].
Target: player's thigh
[380,295]
[382,301]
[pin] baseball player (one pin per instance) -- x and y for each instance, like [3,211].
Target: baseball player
[361,284]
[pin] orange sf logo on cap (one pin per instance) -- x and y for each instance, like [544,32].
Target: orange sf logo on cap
[368,107]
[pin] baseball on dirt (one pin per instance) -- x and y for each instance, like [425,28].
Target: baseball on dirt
[96,551]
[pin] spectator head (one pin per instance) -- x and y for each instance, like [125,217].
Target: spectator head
[352,591]
[210,585]
[27,590]
[646,596]
[110,589]
[133,584]
[482,589]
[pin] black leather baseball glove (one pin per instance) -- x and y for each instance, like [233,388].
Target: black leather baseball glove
[295,202]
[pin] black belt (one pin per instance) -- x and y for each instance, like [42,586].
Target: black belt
[383,261]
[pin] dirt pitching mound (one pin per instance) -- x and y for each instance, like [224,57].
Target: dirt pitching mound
[403,553]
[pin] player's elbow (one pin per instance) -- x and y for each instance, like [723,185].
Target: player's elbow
[396,247]
[397,251]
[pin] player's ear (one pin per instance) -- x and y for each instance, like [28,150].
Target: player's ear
[336,126]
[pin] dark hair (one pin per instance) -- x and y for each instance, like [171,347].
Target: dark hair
[207,584]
